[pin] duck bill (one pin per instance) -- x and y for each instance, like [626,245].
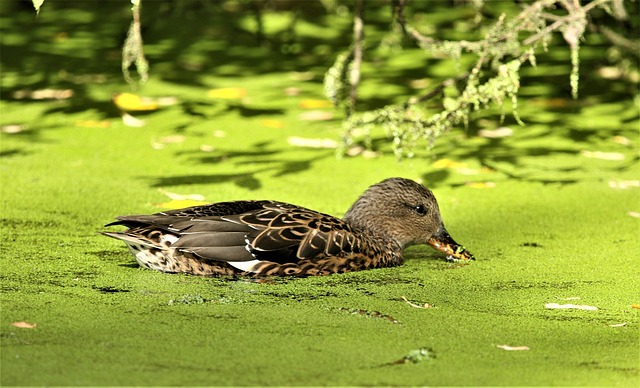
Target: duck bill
[442,241]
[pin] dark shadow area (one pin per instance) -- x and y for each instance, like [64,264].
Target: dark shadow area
[76,45]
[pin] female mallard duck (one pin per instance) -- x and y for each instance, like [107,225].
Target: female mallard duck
[266,238]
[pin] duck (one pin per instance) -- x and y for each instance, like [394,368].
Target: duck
[265,238]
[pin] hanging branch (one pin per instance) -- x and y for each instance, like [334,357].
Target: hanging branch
[358,36]
[132,50]
[491,80]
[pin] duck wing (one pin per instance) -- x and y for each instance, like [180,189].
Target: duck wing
[246,233]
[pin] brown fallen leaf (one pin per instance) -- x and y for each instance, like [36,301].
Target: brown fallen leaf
[24,325]
[635,306]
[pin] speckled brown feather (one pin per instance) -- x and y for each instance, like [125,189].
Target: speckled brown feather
[269,238]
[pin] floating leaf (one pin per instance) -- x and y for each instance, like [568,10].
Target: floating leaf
[181,197]
[507,347]
[312,143]
[92,123]
[570,306]
[621,140]
[447,163]
[13,128]
[418,306]
[623,184]
[272,123]
[634,214]
[315,104]
[602,155]
[172,139]
[365,153]
[496,133]
[24,325]
[227,93]
[316,115]
[131,121]
[132,102]
[292,91]
[43,94]
[481,185]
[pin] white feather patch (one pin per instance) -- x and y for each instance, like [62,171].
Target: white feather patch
[168,238]
[246,266]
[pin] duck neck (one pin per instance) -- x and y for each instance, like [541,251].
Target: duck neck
[374,231]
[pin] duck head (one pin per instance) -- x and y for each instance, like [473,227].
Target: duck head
[408,213]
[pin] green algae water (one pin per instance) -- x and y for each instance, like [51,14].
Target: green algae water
[550,216]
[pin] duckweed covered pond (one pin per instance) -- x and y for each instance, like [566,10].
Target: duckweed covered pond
[550,217]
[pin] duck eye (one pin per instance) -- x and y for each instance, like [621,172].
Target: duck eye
[420,209]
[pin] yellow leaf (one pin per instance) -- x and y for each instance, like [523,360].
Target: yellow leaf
[621,140]
[272,123]
[447,163]
[481,185]
[93,123]
[133,102]
[227,93]
[315,104]
[179,204]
